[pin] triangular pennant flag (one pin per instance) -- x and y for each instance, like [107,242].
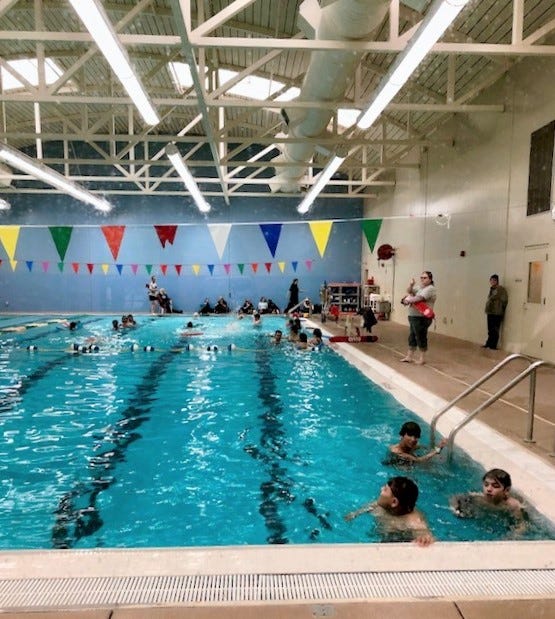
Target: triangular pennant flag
[281,266]
[241,268]
[254,267]
[9,236]
[134,268]
[294,264]
[268,266]
[105,268]
[166,234]
[321,233]
[90,267]
[13,264]
[75,267]
[29,264]
[219,234]
[61,236]
[211,269]
[114,236]
[371,229]
[61,267]
[1,262]
[163,268]
[308,264]
[45,266]
[271,233]
[196,269]
[119,267]
[177,268]
[227,268]
[148,268]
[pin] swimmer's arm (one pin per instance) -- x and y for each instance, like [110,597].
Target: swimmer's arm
[363,510]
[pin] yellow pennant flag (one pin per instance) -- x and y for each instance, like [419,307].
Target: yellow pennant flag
[9,236]
[105,268]
[281,266]
[196,269]
[14,264]
[321,234]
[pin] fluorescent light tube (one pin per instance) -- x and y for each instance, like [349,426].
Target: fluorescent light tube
[440,16]
[187,178]
[322,180]
[96,21]
[51,177]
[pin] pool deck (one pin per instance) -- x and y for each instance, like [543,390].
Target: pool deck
[451,366]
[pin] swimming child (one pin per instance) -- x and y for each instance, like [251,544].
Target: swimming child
[406,449]
[395,512]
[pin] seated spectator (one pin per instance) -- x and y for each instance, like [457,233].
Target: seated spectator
[272,307]
[164,301]
[206,308]
[263,305]
[221,306]
[247,307]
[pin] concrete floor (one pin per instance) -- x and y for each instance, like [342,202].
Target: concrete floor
[451,366]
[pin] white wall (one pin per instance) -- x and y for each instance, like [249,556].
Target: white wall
[477,173]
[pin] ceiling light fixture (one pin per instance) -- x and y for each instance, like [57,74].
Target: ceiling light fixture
[321,181]
[41,172]
[173,155]
[440,16]
[93,16]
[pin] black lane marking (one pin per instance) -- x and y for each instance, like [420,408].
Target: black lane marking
[77,515]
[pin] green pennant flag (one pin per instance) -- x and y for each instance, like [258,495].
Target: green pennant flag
[241,268]
[61,236]
[148,268]
[371,229]
[61,267]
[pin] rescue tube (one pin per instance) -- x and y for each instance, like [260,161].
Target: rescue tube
[424,309]
[353,339]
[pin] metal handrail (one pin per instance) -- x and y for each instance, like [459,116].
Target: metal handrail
[469,390]
[530,370]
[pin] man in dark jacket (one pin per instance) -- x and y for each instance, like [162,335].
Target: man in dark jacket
[496,304]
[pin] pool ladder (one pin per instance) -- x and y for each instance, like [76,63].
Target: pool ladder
[533,365]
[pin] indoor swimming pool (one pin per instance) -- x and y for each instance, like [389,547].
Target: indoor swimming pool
[156,437]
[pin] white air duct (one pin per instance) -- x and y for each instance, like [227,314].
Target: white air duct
[326,78]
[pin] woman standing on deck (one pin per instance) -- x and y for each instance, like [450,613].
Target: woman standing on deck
[293,295]
[420,300]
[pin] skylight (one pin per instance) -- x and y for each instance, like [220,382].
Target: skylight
[28,69]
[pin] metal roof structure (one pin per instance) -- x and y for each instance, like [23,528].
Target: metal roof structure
[85,126]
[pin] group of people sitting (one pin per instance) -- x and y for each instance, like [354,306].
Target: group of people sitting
[221,307]
[395,508]
[265,306]
[160,301]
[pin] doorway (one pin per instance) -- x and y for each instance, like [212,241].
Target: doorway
[535,333]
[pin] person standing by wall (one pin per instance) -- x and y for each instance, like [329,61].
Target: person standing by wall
[496,304]
[420,300]
[293,295]
[152,288]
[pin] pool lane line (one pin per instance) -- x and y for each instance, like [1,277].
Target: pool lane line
[279,488]
[87,520]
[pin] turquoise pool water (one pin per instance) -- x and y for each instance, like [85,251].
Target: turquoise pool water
[123,447]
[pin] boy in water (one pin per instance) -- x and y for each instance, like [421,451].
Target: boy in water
[496,495]
[406,449]
[395,512]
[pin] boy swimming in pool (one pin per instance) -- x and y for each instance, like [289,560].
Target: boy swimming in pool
[496,495]
[395,513]
[406,450]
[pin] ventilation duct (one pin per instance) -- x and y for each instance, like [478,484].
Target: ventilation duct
[326,79]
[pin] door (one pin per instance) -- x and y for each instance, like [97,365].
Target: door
[535,333]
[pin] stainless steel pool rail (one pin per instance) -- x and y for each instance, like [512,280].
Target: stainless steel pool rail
[533,365]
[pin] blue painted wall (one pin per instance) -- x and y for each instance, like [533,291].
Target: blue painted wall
[34,290]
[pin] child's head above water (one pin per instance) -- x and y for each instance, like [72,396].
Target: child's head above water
[496,485]
[411,428]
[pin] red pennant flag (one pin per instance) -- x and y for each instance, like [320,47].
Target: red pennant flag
[90,267]
[178,269]
[163,268]
[268,266]
[254,267]
[114,236]
[75,267]
[166,234]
